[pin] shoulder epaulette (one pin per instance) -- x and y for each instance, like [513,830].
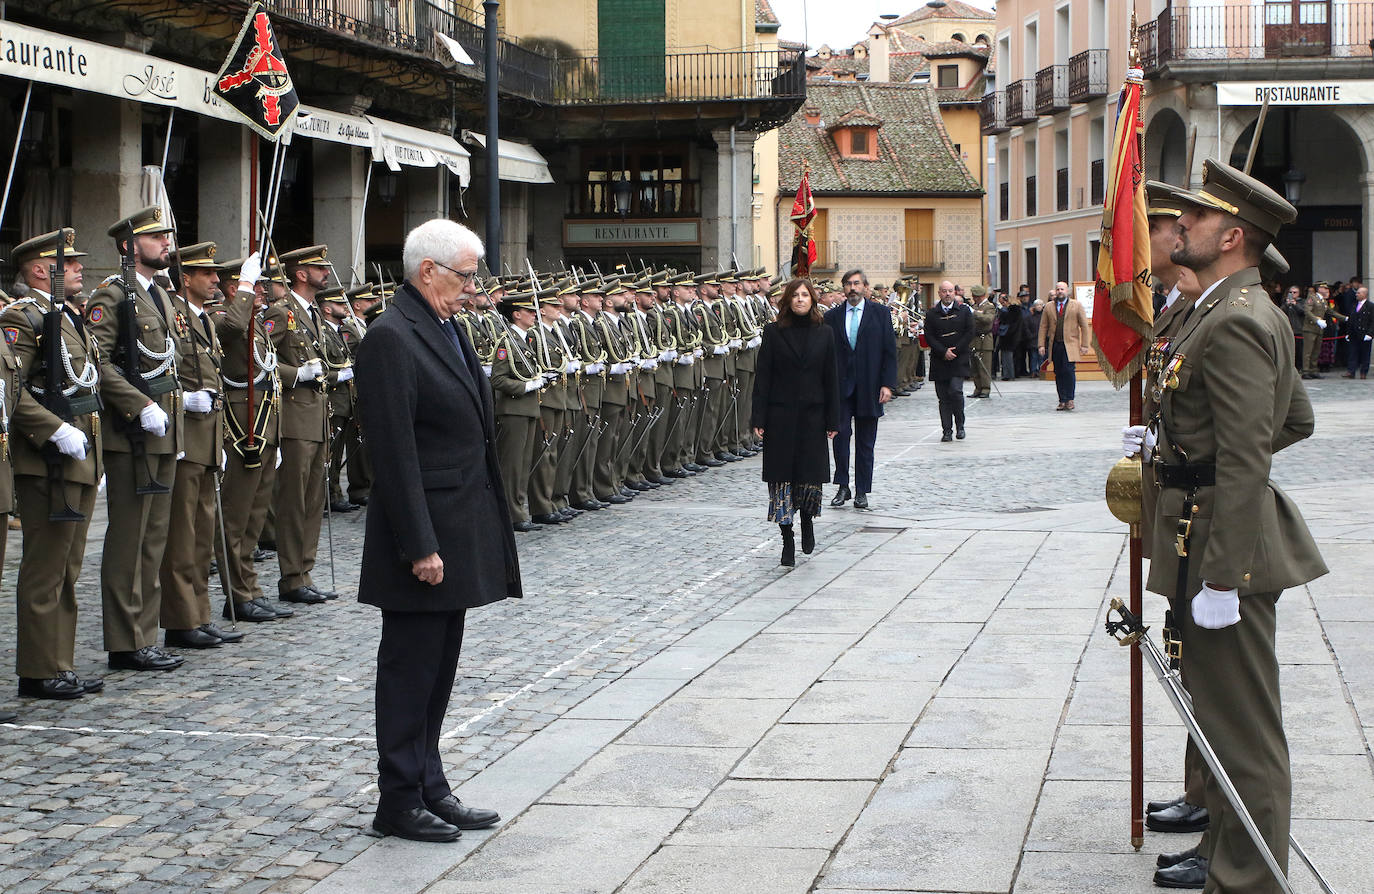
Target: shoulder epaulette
[110,280]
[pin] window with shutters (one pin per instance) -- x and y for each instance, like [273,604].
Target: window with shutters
[631,47]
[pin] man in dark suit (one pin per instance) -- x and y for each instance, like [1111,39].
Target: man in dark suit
[866,352]
[439,538]
[1360,335]
[949,332]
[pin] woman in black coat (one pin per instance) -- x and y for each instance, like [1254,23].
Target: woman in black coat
[796,407]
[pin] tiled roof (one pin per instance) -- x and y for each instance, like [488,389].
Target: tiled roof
[856,118]
[952,9]
[915,155]
[763,13]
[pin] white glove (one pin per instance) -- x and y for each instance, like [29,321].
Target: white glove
[486,369]
[648,364]
[345,374]
[754,342]
[223,460]
[70,440]
[736,343]
[718,350]
[277,465]
[594,368]
[697,352]
[199,401]
[671,355]
[550,378]
[100,486]
[153,420]
[685,361]
[572,367]
[534,384]
[250,271]
[312,370]
[1134,438]
[1321,324]
[1369,338]
[1215,609]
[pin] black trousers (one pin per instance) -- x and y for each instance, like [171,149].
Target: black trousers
[416,661]
[864,430]
[951,395]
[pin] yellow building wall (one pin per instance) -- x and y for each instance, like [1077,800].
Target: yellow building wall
[870,233]
[964,127]
[695,25]
[940,30]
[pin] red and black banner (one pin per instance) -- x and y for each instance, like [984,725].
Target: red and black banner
[254,79]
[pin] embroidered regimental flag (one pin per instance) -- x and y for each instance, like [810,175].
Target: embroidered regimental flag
[1123,314]
[803,211]
[254,79]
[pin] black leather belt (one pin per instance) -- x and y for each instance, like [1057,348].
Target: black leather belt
[1187,475]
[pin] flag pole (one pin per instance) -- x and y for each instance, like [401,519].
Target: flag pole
[1137,412]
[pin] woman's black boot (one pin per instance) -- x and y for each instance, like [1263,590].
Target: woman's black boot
[789,546]
[808,535]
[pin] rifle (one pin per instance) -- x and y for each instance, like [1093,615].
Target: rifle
[54,398]
[127,349]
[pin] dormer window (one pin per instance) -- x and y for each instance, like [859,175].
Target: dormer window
[856,134]
[859,140]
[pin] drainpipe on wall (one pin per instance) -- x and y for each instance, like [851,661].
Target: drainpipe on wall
[734,174]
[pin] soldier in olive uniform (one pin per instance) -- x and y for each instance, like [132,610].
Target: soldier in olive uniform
[984,318]
[641,464]
[680,444]
[575,418]
[333,310]
[516,379]
[556,403]
[653,317]
[607,482]
[55,457]
[1230,398]
[1317,316]
[715,347]
[296,329]
[587,300]
[252,422]
[142,397]
[185,612]
[355,460]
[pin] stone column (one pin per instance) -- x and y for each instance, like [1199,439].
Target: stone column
[1367,221]
[107,166]
[225,173]
[715,194]
[424,194]
[340,174]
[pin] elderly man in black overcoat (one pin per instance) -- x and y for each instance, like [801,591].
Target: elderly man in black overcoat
[949,332]
[439,537]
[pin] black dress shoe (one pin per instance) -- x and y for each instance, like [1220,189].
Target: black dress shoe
[616,500]
[281,611]
[1174,859]
[672,474]
[728,456]
[195,638]
[148,658]
[589,505]
[841,496]
[269,545]
[664,480]
[959,433]
[1183,818]
[342,506]
[327,594]
[524,527]
[303,595]
[946,437]
[262,555]
[417,824]
[569,513]
[1191,873]
[640,486]
[214,568]
[1157,806]
[649,484]
[861,501]
[456,813]
[249,611]
[547,518]
[628,492]
[88,685]
[56,687]
[358,501]
[228,636]
[712,462]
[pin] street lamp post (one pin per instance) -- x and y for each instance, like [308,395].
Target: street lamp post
[491,7]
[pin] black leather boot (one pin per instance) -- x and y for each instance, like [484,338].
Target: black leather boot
[789,546]
[808,535]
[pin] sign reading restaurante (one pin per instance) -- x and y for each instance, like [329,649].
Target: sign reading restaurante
[1295,93]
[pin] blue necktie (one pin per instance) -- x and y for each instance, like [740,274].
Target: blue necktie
[853,327]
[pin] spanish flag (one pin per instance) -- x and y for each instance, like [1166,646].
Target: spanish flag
[1123,313]
[803,211]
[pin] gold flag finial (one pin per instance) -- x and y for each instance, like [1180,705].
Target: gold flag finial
[1135,41]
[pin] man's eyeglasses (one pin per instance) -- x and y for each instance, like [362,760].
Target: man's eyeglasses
[463,278]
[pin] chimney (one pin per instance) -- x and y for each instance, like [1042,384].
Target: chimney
[877,55]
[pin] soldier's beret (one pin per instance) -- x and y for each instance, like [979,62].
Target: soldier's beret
[1226,189]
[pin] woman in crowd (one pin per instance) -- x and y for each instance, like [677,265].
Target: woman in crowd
[796,408]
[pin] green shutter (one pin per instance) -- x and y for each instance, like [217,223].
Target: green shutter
[631,47]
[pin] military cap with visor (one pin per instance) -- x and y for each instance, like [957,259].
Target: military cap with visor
[1236,193]
[200,256]
[45,246]
[310,256]
[145,222]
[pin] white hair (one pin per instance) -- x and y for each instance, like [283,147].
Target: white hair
[441,240]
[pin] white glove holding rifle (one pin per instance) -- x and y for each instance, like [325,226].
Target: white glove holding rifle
[70,440]
[250,271]
[153,420]
[309,371]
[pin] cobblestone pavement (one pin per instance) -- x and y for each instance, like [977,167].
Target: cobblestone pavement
[251,768]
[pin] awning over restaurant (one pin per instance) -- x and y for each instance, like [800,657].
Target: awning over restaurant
[400,144]
[519,163]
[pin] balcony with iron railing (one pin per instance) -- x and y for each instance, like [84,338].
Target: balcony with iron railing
[1301,29]
[680,77]
[1087,75]
[1021,102]
[992,113]
[923,255]
[1061,189]
[641,198]
[1051,89]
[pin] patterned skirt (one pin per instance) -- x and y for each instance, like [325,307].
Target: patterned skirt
[786,499]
